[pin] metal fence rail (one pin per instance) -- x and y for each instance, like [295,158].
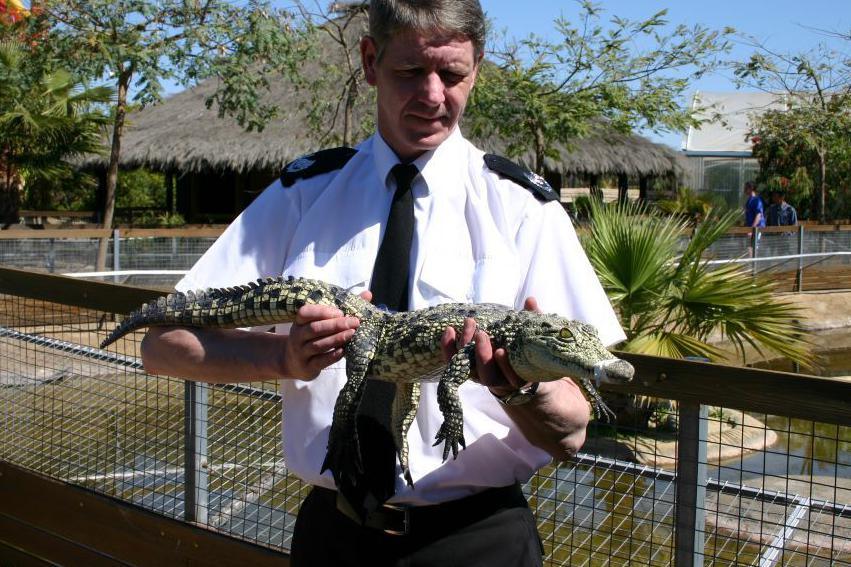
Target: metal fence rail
[134,253]
[764,486]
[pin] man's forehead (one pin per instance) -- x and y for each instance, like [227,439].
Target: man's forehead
[409,43]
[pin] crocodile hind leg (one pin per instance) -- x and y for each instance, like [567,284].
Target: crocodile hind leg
[343,457]
[405,405]
[457,372]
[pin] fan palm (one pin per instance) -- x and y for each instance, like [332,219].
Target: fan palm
[671,301]
[46,118]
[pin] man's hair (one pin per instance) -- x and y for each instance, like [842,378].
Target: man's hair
[461,18]
[750,185]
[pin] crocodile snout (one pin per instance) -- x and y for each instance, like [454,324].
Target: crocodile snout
[613,371]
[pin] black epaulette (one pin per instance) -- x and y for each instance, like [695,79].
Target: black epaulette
[316,163]
[522,176]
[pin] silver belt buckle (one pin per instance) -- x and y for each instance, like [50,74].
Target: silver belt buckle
[406,520]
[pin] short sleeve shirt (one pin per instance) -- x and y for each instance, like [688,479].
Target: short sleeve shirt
[478,238]
[753,207]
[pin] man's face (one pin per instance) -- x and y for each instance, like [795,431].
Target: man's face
[422,83]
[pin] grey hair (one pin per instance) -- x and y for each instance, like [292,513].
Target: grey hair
[462,18]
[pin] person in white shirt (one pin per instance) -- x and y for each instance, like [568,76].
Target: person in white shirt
[484,231]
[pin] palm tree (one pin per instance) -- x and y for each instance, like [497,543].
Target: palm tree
[46,119]
[670,300]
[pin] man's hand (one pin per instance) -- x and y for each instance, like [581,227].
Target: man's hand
[557,417]
[492,367]
[317,338]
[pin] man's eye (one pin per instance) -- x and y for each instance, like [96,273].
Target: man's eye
[450,78]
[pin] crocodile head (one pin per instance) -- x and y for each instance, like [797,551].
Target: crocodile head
[548,347]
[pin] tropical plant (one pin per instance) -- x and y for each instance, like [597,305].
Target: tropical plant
[691,205]
[671,300]
[46,118]
[137,44]
[813,128]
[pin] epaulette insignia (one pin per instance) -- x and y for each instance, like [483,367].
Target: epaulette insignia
[522,176]
[316,163]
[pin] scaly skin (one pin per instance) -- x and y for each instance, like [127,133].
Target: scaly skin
[403,348]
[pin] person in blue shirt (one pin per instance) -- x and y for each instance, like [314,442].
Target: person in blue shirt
[754,208]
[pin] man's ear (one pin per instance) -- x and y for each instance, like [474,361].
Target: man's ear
[369,58]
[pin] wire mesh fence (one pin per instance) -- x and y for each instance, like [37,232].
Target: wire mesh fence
[135,256]
[820,258]
[770,490]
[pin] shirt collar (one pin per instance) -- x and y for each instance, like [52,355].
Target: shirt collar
[434,165]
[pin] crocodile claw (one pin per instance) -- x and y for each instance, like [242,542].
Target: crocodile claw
[343,457]
[452,438]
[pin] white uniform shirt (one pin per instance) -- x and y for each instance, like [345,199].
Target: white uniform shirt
[478,238]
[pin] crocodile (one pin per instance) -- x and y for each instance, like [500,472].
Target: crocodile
[403,348]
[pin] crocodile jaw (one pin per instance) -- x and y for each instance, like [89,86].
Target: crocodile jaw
[613,371]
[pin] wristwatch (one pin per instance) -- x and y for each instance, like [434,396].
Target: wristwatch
[520,396]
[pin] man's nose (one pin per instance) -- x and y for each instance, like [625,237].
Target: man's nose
[432,89]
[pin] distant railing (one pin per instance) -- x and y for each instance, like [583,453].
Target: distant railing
[801,258]
[757,471]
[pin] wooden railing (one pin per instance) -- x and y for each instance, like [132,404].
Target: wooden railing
[216,230]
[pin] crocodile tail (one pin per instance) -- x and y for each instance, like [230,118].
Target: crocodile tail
[147,315]
[264,302]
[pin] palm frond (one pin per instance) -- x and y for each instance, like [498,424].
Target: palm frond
[673,345]
[670,302]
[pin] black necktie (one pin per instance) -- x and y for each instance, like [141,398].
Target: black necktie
[390,277]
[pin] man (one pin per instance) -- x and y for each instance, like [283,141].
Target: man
[781,213]
[480,230]
[754,209]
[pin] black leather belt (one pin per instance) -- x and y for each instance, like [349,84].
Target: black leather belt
[400,520]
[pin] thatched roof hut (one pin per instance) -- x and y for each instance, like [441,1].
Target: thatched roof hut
[216,157]
[182,135]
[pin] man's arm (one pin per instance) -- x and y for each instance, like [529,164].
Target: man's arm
[315,341]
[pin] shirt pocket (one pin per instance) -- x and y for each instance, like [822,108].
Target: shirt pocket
[349,271]
[497,279]
[446,278]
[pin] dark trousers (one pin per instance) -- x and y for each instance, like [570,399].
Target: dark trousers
[444,535]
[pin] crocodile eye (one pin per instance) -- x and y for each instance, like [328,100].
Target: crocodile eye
[565,333]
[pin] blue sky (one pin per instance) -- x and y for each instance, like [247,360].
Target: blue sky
[783,25]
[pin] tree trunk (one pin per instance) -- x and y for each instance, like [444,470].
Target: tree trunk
[347,115]
[7,195]
[540,146]
[112,168]
[822,191]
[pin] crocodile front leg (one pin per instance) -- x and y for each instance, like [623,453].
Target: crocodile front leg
[343,457]
[452,430]
[405,405]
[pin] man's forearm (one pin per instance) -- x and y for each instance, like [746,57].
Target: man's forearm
[214,355]
[555,419]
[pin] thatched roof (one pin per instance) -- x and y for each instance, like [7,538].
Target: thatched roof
[182,135]
[606,152]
